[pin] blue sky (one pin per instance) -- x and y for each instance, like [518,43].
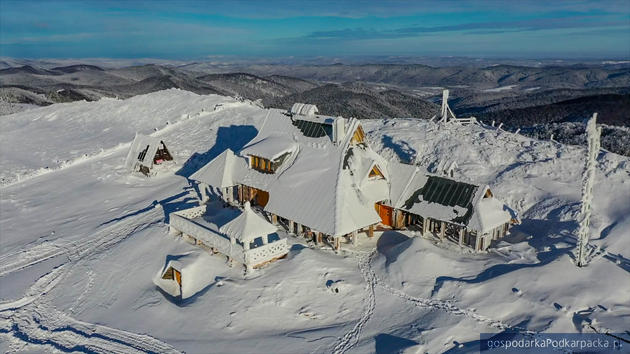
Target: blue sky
[205,29]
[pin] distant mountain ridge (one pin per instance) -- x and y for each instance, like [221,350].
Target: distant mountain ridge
[518,96]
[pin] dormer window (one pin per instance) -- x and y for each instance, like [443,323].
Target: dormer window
[376,173]
[264,165]
[358,137]
[261,164]
[488,193]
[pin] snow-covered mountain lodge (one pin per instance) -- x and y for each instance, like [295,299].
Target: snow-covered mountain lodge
[317,176]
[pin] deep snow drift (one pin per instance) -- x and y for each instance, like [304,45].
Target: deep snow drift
[82,240]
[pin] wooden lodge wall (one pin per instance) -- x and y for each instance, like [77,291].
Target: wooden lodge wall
[391,217]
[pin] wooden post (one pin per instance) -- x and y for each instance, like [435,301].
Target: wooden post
[274,219]
[173,231]
[477,242]
[337,243]
[425,226]
[371,231]
[291,227]
[461,235]
[320,238]
[202,192]
[240,194]
[442,229]
[354,238]
[228,195]
[299,229]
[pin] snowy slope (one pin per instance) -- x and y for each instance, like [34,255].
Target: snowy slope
[53,136]
[80,245]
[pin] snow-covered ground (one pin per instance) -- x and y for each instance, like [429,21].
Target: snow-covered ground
[501,88]
[82,240]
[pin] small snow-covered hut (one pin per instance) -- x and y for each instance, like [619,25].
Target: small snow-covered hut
[186,274]
[145,152]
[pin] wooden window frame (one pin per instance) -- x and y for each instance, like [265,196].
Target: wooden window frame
[375,173]
[359,136]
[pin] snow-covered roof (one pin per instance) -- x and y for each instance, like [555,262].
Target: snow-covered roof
[248,226]
[218,172]
[304,109]
[270,147]
[139,144]
[194,268]
[488,214]
[401,176]
[321,184]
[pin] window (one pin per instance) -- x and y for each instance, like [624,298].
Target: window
[488,193]
[376,173]
[143,153]
[359,136]
[262,165]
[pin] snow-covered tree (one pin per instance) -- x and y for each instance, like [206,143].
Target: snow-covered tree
[588,180]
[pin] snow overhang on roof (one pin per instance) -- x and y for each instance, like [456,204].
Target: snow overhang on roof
[303,109]
[270,147]
[248,226]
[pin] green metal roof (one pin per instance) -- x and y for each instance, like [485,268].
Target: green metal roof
[446,192]
[313,129]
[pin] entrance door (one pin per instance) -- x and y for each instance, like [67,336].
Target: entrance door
[386,213]
[262,198]
[178,277]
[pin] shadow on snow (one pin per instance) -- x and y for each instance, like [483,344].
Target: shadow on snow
[233,137]
[551,233]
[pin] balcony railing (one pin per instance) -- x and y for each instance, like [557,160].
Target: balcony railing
[265,253]
[208,237]
[256,256]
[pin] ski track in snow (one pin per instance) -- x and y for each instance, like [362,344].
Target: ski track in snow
[77,247]
[40,324]
[31,320]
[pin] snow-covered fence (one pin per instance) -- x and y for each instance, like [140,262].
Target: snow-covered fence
[192,212]
[464,121]
[183,222]
[266,252]
[207,237]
